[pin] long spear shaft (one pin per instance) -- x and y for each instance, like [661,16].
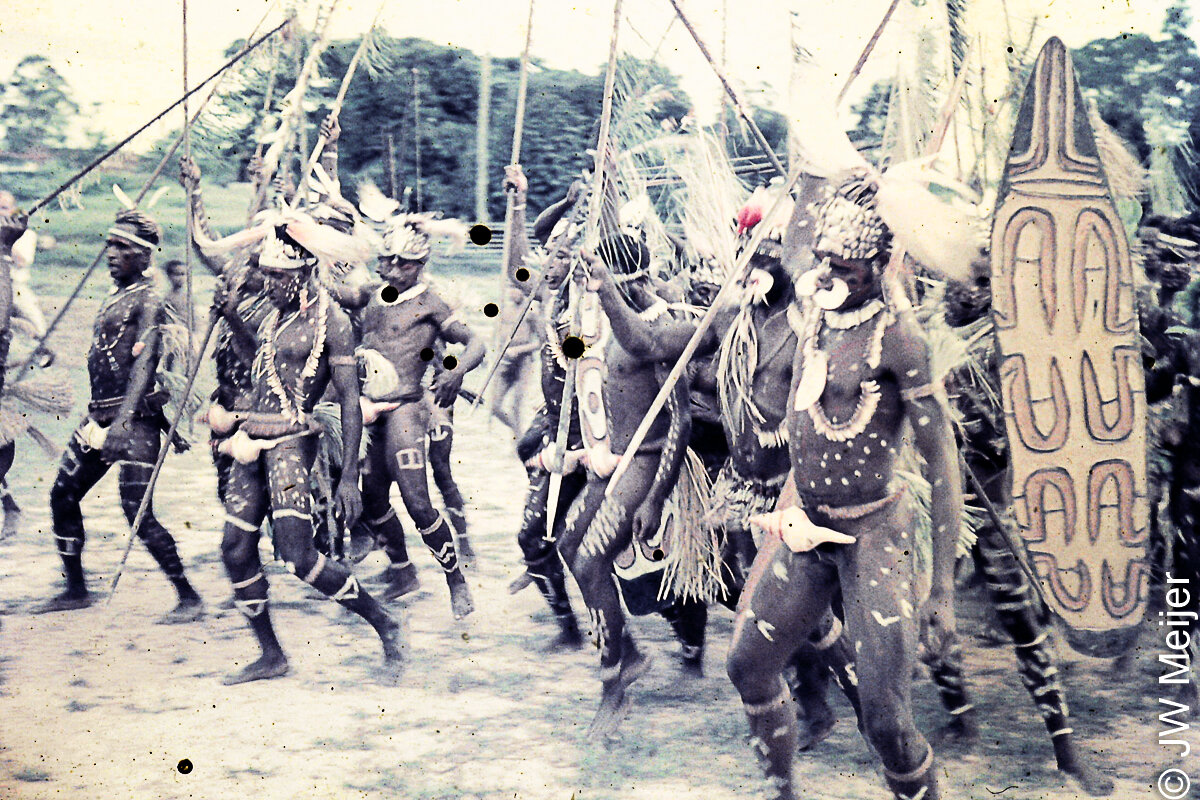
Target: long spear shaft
[144,506]
[108,153]
[741,108]
[518,133]
[735,277]
[24,368]
[189,221]
[336,109]
[734,97]
[595,211]
[866,53]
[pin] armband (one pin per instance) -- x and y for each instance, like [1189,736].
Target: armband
[343,361]
[931,389]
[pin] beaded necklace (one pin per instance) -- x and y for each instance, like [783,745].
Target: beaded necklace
[815,369]
[292,407]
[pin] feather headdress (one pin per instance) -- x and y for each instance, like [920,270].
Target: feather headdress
[407,236]
[940,235]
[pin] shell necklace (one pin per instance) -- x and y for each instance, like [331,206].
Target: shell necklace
[815,369]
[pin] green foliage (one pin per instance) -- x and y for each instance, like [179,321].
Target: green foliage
[1148,90]
[562,107]
[37,106]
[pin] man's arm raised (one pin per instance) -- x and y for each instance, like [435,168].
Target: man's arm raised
[643,340]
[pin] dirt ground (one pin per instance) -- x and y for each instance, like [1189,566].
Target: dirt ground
[104,703]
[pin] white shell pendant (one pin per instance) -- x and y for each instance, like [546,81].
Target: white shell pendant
[806,284]
[812,381]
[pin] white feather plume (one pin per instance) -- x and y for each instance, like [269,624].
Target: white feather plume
[123,198]
[817,133]
[374,204]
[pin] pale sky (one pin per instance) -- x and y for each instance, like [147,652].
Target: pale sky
[127,55]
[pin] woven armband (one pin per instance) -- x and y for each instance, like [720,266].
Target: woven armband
[931,389]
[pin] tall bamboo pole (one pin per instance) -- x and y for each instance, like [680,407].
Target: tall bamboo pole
[482,119]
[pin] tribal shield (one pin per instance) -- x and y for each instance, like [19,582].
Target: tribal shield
[1070,366]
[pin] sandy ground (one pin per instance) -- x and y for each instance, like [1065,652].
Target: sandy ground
[104,703]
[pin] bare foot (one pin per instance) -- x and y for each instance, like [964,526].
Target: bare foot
[461,603]
[69,600]
[391,635]
[1090,779]
[265,668]
[401,581]
[188,610]
[520,582]
[12,524]
[817,730]
[612,697]
[692,661]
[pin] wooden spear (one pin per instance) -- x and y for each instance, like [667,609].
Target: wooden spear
[593,224]
[98,160]
[337,107]
[23,370]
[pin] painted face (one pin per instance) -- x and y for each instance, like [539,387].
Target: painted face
[556,269]
[126,260]
[399,272]
[283,285]
[845,283]
[702,293]
[177,275]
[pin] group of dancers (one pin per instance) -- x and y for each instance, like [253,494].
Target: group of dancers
[766,482]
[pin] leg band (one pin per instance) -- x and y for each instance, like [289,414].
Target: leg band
[757,709]
[919,772]
[240,524]
[1062,732]
[251,608]
[258,576]
[829,639]
[349,590]
[291,512]
[391,514]
[1041,637]
[316,571]
[410,458]
[439,521]
[68,545]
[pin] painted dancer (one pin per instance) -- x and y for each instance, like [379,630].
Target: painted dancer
[302,346]
[402,320]
[861,371]
[599,528]
[25,315]
[543,565]
[125,418]
[12,228]
[241,303]
[749,368]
